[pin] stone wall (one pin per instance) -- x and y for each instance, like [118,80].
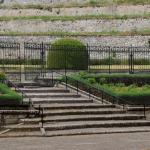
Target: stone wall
[78,11]
[73,26]
[91,40]
[41,1]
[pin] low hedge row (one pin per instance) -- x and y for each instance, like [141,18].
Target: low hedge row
[115,61]
[129,94]
[20,62]
[123,86]
[127,79]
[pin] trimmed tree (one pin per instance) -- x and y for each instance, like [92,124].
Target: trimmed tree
[69,54]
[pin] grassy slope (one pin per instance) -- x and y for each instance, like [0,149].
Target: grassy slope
[143,32]
[97,3]
[8,94]
[73,18]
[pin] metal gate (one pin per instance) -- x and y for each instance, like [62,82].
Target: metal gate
[35,62]
[11,60]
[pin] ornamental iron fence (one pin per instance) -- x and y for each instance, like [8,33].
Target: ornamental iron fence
[39,59]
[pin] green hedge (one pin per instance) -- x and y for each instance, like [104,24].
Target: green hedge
[131,94]
[20,62]
[132,88]
[2,76]
[139,79]
[115,61]
[69,54]
[8,96]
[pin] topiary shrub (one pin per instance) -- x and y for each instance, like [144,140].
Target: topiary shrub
[69,54]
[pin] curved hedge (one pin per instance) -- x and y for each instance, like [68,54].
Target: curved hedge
[69,54]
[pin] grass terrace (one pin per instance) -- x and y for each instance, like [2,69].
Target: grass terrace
[74,18]
[143,32]
[7,95]
[89,3]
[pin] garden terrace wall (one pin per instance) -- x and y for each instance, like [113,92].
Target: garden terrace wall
[90,40]
[78,11]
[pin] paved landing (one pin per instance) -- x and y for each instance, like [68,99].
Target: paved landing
[126,141]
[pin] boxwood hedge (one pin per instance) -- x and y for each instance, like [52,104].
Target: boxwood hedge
[69,54]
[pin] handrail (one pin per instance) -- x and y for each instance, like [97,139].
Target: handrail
[17,89]
[100,92]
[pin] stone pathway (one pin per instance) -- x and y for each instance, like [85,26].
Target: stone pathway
[126,141]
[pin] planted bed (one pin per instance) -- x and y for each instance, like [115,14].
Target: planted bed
[127,88]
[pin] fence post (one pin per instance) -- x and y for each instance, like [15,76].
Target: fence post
[88,50]
[66,82]
[109,59]
[77,87]
[131,70]
[42,117]
[39,109]
[144,109]
[42,59]
[102,97]
[52,77]
[89,92]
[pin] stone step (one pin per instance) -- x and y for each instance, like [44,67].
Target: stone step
[21,134]
[89,131]
[83,118]
[27,84]
[22,128]
[32,86]
[60,100]
[95,124]
[80,125]
[19,112]
[44,90]
[138,108]
[74,106]
[83,111]
[86,131]
[55,95]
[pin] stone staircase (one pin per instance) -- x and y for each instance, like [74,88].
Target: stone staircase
[68,113]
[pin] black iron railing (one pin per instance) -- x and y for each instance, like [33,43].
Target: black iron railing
[99,94]
[23,94]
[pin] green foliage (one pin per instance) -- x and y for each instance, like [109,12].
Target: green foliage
[143,31]
[129,88]
[131,94]
[20,62]
[2,76]
[115,61]
[69,54]
[9,96]
[74,18]
[91,80]
[102,80]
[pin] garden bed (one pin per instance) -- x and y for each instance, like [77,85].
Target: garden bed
[127,88]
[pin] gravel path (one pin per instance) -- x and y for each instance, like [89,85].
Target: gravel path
[136,141]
